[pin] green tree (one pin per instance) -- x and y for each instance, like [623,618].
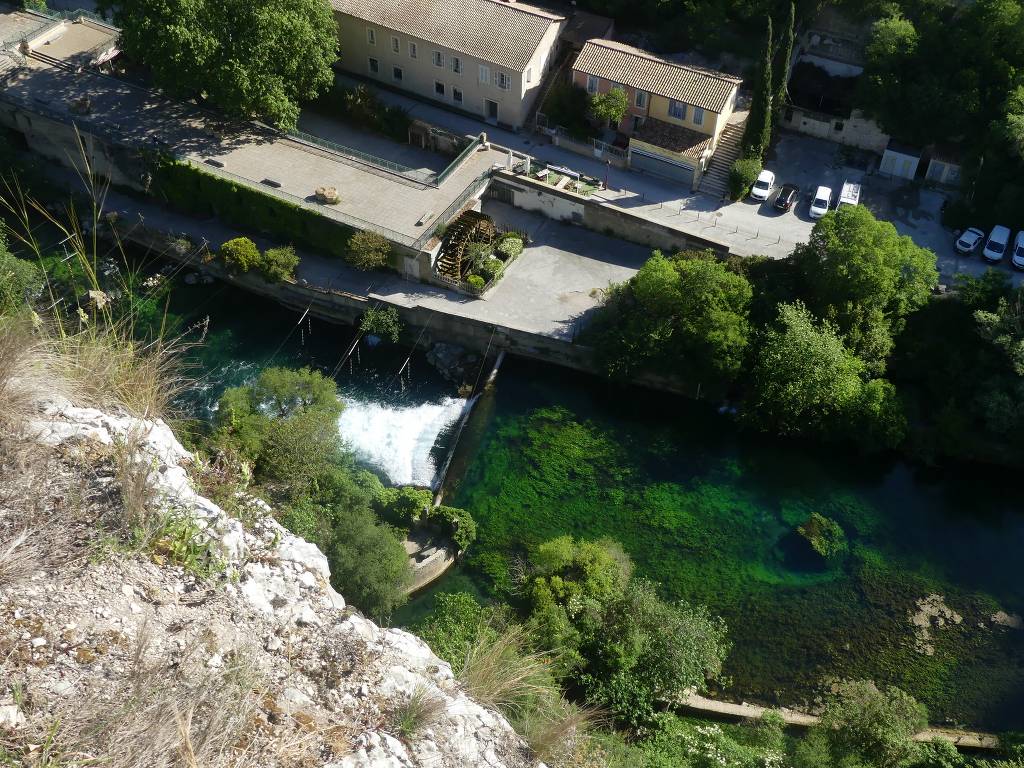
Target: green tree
[648,652]
[609,107]
[368,563]
[406,506]
[685,314]
[20,280]
[368,250]
[872,726]
[780,69]
[240,254]
[758,133]
[453,627]
[279,264]
[862,275]
[259,58]
[1004,328]
[383,322]
[805,381]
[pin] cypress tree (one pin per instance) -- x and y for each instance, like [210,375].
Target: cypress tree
[758,133]
[785,53]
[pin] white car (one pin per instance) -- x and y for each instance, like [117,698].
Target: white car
[969,240]
[1017,255]
[996,244]
[762,188]
[822,200]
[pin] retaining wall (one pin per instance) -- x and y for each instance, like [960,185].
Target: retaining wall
[598,215]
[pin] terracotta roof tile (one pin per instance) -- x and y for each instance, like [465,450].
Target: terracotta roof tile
[690,144]
[503,33]
[620,63]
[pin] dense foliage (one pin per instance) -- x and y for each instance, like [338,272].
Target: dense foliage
[803,340]
[383,322]
[758,132]
[367,250]
[924,57]
[251,59]
[20,280]
[283,429]
[610,107]
[240,254]
[687,313]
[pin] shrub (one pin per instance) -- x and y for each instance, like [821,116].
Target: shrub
[383,322]
[279,263]
[404,506]
[489,269]
[460,524]
[20,280]
[477,253]
[825,536]
[742,176]
[476,283]
[452,627]
[609,107]
[368,250]
[568,105]
[361,107]
[368,563]
[510,247]
[240,254]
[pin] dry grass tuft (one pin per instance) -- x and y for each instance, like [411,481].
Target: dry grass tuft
[422,710]
[166,714]
[500,673]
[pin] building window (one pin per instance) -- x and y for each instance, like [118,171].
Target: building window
[698,116]
[374,66]
[677,109]
[439,88]
[395,45]
[412,50]
[438,59]
[485,74]
[371,36]
[529,75]
[839,125]
[592,84]
[641,99]
[456,95]
[456,65]
[504,81]
[396,73]
[637,122]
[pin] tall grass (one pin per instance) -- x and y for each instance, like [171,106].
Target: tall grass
[89,339]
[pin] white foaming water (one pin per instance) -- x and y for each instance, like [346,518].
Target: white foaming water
[398,440]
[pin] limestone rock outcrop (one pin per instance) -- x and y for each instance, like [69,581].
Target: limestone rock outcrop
[264,649]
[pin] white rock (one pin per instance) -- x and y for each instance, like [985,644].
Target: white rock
[11,717]
[38,642]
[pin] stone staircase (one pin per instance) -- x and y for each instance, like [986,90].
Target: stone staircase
[716,179]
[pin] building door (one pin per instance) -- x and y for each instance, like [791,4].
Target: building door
[491,111]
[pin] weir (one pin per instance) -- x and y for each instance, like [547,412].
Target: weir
[443,481]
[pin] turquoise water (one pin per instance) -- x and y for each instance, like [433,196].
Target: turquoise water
[705,511]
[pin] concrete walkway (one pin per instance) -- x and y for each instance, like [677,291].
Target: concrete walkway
[551,289]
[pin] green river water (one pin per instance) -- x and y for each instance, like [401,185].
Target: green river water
[704,510]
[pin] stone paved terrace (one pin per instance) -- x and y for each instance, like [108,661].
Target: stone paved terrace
[372,198]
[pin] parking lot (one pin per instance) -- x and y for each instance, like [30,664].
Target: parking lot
[914,210]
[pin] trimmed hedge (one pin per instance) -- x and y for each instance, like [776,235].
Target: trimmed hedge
[742,176]
[192,190]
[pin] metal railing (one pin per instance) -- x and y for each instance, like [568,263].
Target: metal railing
[379,162]
[476,186]
[459,159]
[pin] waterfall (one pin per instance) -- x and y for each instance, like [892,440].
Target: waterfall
[398,440]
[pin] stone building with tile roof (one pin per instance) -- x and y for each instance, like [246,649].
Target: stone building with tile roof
[677,113]
[484,57]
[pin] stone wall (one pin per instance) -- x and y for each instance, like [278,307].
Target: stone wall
[600,216]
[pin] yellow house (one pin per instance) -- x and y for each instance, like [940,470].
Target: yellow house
[677,113]
[484,57]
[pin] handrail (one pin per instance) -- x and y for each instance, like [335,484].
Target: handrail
[448,213]
[380,162]
[454,164]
